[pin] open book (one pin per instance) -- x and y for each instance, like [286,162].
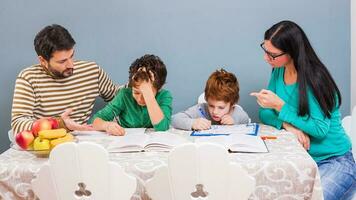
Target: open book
[101,133]
[238,143]
[216,130]
[157,141]
[103,138]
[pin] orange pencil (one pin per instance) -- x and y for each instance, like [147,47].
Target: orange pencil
[267,137]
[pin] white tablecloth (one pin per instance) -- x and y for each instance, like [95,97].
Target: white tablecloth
[286,172]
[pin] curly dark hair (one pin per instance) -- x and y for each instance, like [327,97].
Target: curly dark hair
[52,38]
[144,68]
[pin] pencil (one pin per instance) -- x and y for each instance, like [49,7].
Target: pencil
[116,117]
[267,137]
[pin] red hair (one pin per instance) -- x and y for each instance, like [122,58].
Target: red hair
[222,86]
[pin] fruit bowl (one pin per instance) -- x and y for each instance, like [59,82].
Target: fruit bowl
[38,153]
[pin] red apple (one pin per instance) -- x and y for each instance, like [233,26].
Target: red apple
[41,125]
[24,139]
[54,122]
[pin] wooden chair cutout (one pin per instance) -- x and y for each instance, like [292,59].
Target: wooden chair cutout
[200,171]
[199,193]
[82,191]
[82,171]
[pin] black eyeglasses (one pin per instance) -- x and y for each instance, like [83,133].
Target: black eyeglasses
[271,55]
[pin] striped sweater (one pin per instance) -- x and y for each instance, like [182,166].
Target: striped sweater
[37,94]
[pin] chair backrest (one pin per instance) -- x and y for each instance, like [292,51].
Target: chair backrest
[346,123]
[82,171]
[201,98]
[349,124]
[200,171]
[11,136]
[353,131]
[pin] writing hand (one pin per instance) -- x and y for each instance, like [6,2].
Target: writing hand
[113,128]
[201,124]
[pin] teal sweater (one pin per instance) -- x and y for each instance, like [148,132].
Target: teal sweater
[327,137]
[132,115]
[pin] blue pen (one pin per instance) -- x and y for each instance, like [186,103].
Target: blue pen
[199,133]
[202,133]
[202,113]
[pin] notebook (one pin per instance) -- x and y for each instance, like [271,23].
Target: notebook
[218,130]
[157,141]
[238,143]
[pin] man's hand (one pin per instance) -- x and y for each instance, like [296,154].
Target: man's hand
[72,125]
[201,124]
[113,128]
[302,137]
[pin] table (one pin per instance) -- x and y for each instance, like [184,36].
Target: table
[286,172]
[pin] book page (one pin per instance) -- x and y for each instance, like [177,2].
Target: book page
[246,143]
[134,131]
[220,140]
[128,143]
[103,133]
[237,143]
[89,133]
[164,141]
[229,129]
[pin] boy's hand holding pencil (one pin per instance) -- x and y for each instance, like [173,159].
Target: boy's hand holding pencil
[201,124]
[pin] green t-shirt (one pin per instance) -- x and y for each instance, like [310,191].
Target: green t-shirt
[327,136]
[132,115]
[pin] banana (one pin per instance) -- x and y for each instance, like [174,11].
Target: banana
[51,134]
[67,138]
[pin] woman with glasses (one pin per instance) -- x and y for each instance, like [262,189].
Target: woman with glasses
[303,98]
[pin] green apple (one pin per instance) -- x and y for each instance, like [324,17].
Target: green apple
[41,144]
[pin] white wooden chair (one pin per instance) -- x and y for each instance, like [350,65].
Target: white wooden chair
[349,124]
[201,98]
[197,172]
[11,136]
[346,123]
[82,171]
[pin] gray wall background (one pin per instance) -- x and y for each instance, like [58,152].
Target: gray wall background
[193,37]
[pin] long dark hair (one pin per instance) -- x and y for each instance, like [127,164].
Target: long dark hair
[312,73]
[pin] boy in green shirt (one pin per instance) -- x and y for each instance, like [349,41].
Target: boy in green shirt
[142,104]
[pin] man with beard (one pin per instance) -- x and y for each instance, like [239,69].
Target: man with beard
[58,86]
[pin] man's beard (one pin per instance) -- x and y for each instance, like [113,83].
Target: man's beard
[57,74]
